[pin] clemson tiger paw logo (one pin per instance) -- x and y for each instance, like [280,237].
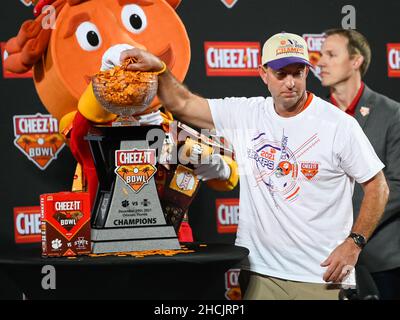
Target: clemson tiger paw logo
[56,244]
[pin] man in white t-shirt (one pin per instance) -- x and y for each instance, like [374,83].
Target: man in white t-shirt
[298,158]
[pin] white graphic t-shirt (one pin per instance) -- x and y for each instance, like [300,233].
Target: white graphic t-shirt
[296,181]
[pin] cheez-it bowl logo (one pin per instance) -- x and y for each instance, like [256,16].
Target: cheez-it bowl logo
[229,3]
[38,138]
[309,169]
[135,167]
[67,219]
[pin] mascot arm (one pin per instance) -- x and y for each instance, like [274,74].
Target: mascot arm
[231,182]
[91,109]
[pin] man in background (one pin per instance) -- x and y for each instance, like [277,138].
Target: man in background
[346,56]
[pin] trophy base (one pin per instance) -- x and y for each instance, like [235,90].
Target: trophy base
[125,121]
[134,239]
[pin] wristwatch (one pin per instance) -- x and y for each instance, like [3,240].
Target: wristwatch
[358,239]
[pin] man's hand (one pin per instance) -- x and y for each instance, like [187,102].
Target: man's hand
[174,96]
[341,261]
[346,255]
[143,60]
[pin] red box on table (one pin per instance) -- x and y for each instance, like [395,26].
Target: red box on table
[65,224]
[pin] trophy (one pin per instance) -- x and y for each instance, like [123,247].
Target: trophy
[135,208]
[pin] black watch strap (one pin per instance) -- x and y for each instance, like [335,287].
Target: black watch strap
[358,239]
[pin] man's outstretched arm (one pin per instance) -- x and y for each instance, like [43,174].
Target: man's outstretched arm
[183,104]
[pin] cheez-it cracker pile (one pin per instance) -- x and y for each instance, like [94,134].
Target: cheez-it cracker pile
[65,224]
[145,253]
[122,87]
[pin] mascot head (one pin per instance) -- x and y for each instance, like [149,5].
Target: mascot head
[66,56]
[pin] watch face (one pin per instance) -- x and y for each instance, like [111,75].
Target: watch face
[358,239]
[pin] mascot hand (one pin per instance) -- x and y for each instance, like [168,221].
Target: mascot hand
[215,167]
[111,57]
[195,154]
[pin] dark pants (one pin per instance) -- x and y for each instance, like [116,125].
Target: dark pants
[244,279]
[388,284]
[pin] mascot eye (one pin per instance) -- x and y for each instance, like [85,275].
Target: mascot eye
[134,18]
[88,36]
